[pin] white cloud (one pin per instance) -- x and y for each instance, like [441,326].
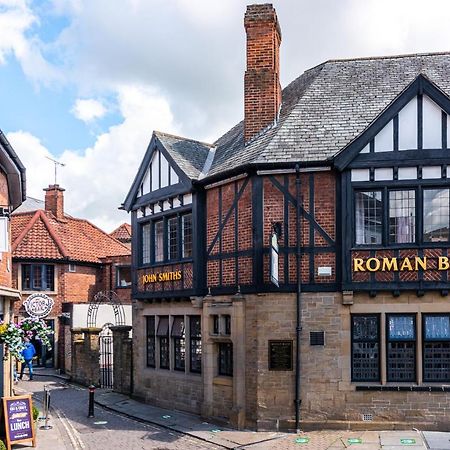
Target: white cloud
[98,179]
[88,109]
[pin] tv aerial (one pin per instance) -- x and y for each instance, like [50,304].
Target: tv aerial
[56,163]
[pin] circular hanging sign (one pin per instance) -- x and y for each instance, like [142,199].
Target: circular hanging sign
[38,305]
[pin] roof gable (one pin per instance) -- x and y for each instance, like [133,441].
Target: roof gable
[418,119]
[169,166]
[40,235]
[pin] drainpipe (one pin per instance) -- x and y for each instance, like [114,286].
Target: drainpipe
[298,327]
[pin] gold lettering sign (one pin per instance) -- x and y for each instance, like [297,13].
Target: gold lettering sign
[158,277]
[384,264]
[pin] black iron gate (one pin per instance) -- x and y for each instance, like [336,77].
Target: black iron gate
[106,357]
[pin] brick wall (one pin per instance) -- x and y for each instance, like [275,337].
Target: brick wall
[318,196]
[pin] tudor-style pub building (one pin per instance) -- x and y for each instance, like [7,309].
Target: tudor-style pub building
[296,270]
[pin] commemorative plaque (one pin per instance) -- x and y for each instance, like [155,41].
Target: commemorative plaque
[280,355]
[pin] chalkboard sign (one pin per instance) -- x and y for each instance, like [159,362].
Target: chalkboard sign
[280,355]
[18,415]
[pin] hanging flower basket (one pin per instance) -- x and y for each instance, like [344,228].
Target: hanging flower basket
[12,335]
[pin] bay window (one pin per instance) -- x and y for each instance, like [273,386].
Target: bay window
[369,217]
[436,215]
[402,216]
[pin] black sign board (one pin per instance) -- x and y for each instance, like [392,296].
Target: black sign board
[280,355]
[18,417]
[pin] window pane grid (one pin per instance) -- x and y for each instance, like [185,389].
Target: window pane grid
[159,241]
[186,221]
[365,348]
[402,216]
[172,235]
[196,344]
[436,348]
[401,348]
[151,354]
[226,359]
[146,243]
[436,215]
[368,217]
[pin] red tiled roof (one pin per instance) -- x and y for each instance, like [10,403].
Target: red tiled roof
[39,235]
[122,232]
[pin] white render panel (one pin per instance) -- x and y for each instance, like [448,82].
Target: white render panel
[146,182]
[105,315]
[173,177]
[366,149]
[448,171]
[384,140]
[176,202]
[166,205]
[4,235]
[155,171]
[384,174]
[360,175]
[407,126]
[139,213]
[164,171]
[148,211]
[156,208]
[407,173]
[431,172]
[432,124]
[187,199]
[448,131]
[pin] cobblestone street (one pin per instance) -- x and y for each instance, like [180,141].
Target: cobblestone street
[122,423]
[107,430]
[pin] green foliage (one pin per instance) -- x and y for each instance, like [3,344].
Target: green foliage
[35,417]
[2,445]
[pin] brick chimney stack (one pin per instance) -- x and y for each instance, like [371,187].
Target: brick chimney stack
[54,200]
[262,89]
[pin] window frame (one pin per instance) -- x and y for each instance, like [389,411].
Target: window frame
[179,344]
[414,341]
[147,256]
[378,341]
[194,340]
[151,335]
[225,348]
[44,285]
[437,340]
[118,268]
[419,186]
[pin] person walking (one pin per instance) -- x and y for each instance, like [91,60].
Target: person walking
[28,352]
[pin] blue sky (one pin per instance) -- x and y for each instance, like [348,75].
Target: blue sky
[87,81]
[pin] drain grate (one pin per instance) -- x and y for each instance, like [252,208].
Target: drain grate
[367,417]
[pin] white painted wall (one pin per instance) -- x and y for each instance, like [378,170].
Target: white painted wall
[105,314]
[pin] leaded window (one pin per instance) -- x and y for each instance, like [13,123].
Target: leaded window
[163,337]
[401,347]
[151,353]
[179,343]
[172,238]
[195,333]
[225,358]
[402,217]
[159,241]
[186,224]
[146,233]
[38,277]
[436,348]
[368,217]
[365,348]
[436,215]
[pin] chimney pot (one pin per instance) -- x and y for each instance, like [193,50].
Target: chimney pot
[54,200]
[262,89]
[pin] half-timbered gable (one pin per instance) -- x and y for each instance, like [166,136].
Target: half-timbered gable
[165,215]
[395,191]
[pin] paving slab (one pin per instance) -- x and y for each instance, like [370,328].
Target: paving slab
[437,440]
[393,439]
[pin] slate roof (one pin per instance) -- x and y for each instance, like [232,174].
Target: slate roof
[30,204]
[189,155]
[329,106]
[39,235]
[322,112]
